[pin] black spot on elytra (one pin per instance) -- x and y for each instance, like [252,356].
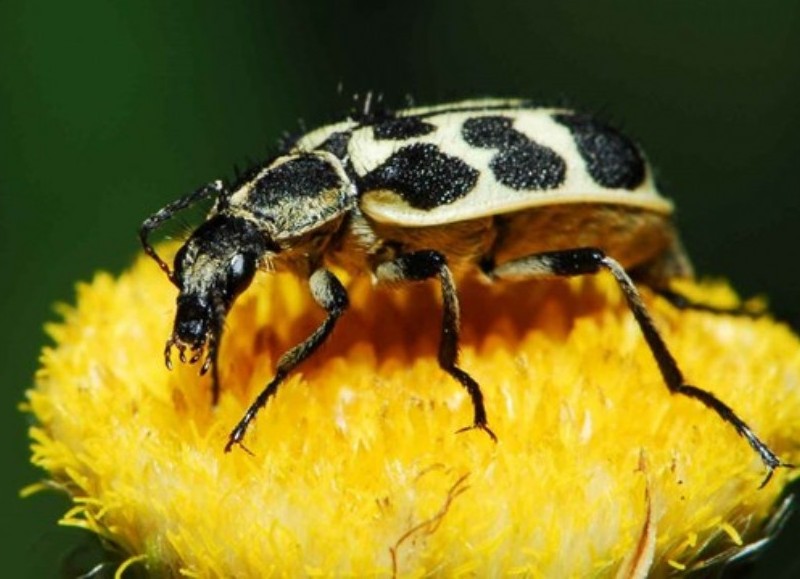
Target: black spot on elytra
[520,163]
[492,133]
[336,144]
[612,160]
[304,176]
[423,175]
[399,128]
[528,167]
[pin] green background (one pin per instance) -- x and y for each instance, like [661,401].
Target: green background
[110,109]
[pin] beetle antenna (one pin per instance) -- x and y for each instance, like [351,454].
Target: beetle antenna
[165,213]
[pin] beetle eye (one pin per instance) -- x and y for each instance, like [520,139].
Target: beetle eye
[241,269]
[237,265]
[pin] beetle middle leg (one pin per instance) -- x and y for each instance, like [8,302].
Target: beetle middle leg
[328,292]
[426,264]
[589,260]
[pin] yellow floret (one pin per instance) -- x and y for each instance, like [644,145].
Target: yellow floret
[356,468]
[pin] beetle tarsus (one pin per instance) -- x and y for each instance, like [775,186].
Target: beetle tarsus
[235,438]
[479,426]
[771,469]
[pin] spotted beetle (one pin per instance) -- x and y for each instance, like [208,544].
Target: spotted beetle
[499,186]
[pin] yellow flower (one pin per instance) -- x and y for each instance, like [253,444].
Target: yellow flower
[356,468]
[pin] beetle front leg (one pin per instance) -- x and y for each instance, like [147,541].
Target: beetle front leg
[331,295]
[168,212]
[589,260]
[422,265]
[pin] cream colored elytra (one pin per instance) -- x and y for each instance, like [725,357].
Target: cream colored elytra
[489,197]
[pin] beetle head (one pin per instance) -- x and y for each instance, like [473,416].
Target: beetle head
[212,268]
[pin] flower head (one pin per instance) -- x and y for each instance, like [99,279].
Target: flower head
[355,465]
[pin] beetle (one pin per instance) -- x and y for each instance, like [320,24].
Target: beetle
[503,187]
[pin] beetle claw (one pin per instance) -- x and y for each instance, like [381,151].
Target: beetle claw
[168,353]
[479,426]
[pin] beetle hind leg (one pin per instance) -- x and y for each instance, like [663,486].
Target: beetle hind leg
[427,264]
[588,260]
[683,302]
[673,263]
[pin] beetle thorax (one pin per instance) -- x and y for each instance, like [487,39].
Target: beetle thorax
[296,195]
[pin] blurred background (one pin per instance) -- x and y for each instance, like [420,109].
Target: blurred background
[108,110]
